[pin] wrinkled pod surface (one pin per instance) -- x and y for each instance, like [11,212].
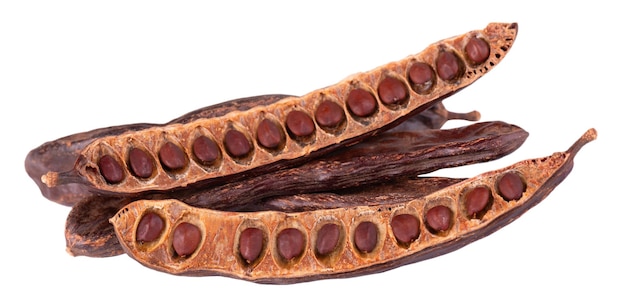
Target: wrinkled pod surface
[280,247]
[293,128]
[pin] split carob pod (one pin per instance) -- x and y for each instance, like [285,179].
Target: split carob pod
[265,138]
[390,156]
[279,247]
[60,155]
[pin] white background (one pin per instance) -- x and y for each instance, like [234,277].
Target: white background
[71,66]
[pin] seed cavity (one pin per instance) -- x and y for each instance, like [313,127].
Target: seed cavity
[111,169]
[329,115]
[186,239]
[405,227]
[449,67]
[269,134]
[421,77]
[327,239]
[477,202]
[511,186]
[205,150]
[141,164]
[149,228]
[392,91]
[366,237]
[300,124]
[477,50]
[361,102]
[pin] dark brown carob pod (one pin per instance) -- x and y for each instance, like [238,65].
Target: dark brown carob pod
[368,245]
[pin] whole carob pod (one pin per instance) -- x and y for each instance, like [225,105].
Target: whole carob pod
[284,189]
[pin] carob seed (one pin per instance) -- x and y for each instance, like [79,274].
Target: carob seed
[290,243]
[366,237]
[361,102]
[236,143]
[327,239]
[269,134]
[186,239]
[251,244]
[329,114]
[421,77]
[205,150]
[150,227]
[406,228]
[391,90]
[477,200]
[172,157]
[511,186]
[110,169]
[477,50]
[439,218]
[141,163]
[448,66]
[300,124]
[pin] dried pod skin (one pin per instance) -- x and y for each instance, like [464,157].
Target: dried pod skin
[541,175]
[375,101]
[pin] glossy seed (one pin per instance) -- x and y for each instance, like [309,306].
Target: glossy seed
[327,239]
[448,66]
[511,186]
[149,228]
[236,143]
[141,163]
[477,50]
[421,77]
[329,114]
[172,157]
[269,134]
[361,102]
[439,218]
[290,243]
[110,169]
[477,200]
[392,90]
[186,239]
[405,227]
[300,124]
[251,244]
[205,150]
[366,237]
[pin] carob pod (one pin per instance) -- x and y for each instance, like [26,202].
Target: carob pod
[267,138]
[343,242]
[61,154]
[387,157]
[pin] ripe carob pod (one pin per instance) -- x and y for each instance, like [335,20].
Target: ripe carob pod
[390,156]
[265,138]
[279,247]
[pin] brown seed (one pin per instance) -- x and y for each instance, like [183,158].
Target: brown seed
[327,239]
[448,66]
[391,90]
[361,102]
[421,76]
[236,143]
[300,124]
[511,186]
[439,218]
[366,237]
[290,243]
[406,228]
[476,201]
[477,50]
[150,227]
[269,134]
[172,157]
[110,169]
[141,163]
[251,244]
[186,239]
[205,150]
[329,114]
